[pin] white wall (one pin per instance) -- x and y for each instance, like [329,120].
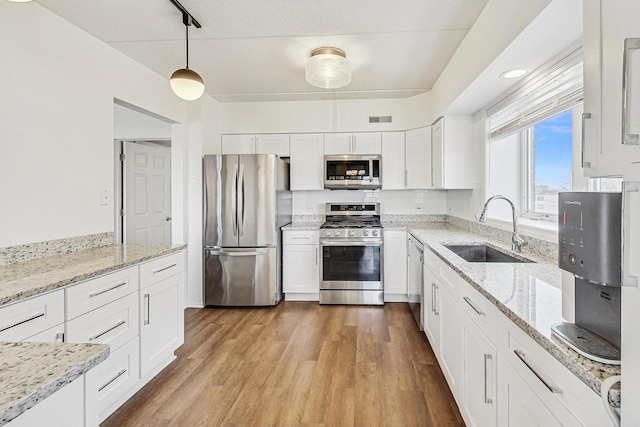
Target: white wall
[131,125]
[324,116]
[58,85]
[391,202]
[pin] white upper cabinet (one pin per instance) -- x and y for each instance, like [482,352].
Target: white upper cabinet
[256,144]
[353,143]
[455,161]
[606,26]
[307,162]
[417,159]
[393,177]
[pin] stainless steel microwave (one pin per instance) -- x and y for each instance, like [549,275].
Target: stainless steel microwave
[352,172]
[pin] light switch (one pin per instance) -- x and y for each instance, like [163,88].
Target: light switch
[105,197]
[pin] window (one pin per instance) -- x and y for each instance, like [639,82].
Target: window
[531,135]
[547,165]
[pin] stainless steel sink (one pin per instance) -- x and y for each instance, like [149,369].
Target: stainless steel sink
[481,252]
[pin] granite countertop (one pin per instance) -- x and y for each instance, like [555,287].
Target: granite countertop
[30,372]
[26,279]
[311,225]
[529,294]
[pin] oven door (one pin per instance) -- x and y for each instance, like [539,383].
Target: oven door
[351,265]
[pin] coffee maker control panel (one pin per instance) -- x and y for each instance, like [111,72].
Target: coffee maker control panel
[589,236]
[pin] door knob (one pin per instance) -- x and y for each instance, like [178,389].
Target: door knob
[168,218]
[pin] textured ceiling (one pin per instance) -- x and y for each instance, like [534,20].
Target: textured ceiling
[255,50]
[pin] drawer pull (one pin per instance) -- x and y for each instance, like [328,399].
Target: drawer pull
[117,325]
[472,305]
[164,268]
[118,375]
[60,337]
[300,237]
[521,356]
[104,291]
[21,322]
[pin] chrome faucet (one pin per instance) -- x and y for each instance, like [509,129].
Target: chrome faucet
[517,242]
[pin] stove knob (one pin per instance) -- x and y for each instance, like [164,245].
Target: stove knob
[327,233]
[336,234]
[365,232]
[351,234]
[374,232]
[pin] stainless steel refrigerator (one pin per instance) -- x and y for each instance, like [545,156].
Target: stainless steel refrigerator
[246,201]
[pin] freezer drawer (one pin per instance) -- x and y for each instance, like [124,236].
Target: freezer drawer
[241,277]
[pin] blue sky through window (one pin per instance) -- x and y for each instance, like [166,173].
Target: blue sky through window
[553,141]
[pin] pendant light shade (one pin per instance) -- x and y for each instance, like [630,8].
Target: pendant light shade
[187,84]
[328,68]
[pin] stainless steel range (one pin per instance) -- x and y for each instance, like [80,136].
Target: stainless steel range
[351,268]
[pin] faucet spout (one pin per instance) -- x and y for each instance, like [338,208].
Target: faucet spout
[517,242]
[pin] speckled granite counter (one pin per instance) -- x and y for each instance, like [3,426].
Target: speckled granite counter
[26,279]
[529,294]
[296,226]
[30,372]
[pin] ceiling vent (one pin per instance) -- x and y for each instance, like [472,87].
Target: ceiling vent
[379,119]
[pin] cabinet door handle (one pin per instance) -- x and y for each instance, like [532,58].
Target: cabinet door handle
[435,300]
[472,305]
[316,256]
[146,308]
[522,357]
[585,116]
[60,337]
[104,291]
[433,297]
[164,268]
[630,194]
[487,400]
[406,178]
[117,325]
[628,137]
[118,375]
[23,321]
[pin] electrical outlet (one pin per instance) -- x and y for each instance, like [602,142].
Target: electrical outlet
[105,197]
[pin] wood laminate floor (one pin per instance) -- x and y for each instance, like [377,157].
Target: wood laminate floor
[298,364]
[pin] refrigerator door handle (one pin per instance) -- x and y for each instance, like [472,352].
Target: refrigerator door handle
[234,200]
[240,209]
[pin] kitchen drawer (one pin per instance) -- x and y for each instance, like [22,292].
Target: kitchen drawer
[301,237]
[114,324]
[557,387]
[112,382]
[161,268]
[29,317]
[94,293]
[482,311]
[447,277]
[55,334]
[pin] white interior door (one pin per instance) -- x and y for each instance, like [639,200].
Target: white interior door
[147,189]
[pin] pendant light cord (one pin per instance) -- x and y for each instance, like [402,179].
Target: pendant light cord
[187,28]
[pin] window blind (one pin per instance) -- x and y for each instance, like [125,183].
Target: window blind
[552,89]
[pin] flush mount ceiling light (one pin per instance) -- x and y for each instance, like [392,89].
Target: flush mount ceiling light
[185,82]
[328,68]
[513,74]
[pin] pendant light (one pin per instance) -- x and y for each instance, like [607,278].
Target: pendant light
[185,82]
[328,68]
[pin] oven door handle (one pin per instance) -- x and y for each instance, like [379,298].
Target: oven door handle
[351,243]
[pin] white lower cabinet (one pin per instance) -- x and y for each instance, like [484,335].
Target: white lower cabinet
[159,323]
[519,406]
[301,265]
[64,408]
[112,382]
[32,316]
[478,388]
[395,265]
[498,374]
